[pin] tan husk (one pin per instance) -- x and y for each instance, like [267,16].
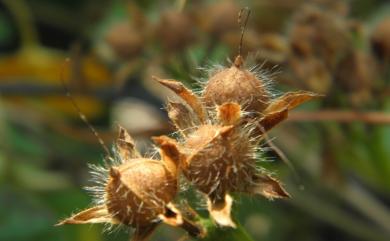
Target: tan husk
[138,191]
[236,84]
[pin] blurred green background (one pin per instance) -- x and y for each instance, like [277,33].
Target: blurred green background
[339,146]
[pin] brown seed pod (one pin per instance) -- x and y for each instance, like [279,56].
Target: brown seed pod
[220,152]
[175,30]
[137,191]
[238,85]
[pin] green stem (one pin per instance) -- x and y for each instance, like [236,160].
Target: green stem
[215,233]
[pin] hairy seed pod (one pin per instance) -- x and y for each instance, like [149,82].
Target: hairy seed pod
[220,151]
[236,84]
[137,191]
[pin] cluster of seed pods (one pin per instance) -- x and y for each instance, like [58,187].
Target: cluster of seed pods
[137,192]
[221,130]
[220,134]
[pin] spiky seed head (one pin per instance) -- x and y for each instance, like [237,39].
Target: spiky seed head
[220,159]
[236,84]
[138,191]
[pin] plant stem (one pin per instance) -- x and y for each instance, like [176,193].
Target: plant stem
[341,116]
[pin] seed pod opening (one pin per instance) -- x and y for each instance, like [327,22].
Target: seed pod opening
[136,191]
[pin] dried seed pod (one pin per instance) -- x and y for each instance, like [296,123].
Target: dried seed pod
[137,191]
[236,84]
[220,152]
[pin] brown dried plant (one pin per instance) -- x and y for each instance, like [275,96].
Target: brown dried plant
[221,131]
[136,191]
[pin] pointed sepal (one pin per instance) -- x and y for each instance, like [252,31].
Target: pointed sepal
[220,211]
[267,186]
[169,151]
[126,146]
[272,119]
[290,101]
[229,113]
[187,95]
[97,214]
[182,117]
[173,217]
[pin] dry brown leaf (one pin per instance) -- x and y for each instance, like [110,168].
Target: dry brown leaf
[97,214]
[187,95]
[126,146]
[290,101]
[268,187]
[272,119]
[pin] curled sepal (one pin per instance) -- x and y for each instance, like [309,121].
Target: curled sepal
[182,117]
[97,214]
[125,146]
[143,233]
[170,153]
[173,217]
[290,101]
[187,95]
[267,186]
[220,210]
[270,120]
[229,113]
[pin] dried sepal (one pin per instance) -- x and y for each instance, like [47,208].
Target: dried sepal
[169,152]
[267,186]
[269,120]
[173,217]
[229,113]
[182,117]
[126,146]
[290,101]
[220,211]
[187,95]
[97,214]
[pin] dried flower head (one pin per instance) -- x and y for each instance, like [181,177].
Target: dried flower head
[136,191]
[221,150]
[249,89]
